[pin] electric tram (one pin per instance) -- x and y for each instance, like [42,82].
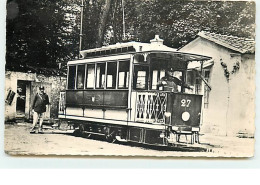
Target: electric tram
[112,91]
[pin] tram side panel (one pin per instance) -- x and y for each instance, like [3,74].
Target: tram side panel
[111,105]
[107,104]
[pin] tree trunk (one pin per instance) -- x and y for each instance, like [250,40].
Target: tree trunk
[114,20]
[102,23]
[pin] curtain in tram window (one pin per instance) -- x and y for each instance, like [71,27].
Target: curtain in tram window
[90,76]
[141,82]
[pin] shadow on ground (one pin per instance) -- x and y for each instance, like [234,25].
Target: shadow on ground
[180,147]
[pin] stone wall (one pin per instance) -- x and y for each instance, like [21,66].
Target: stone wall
[57,84]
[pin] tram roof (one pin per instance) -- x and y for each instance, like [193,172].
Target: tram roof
[177,55]
[116,51]
[125,48]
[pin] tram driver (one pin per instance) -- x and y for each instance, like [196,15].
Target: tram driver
[170,82]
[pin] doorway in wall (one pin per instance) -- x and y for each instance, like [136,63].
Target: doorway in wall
[21,98]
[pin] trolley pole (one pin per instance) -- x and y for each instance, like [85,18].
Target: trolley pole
[81,26]
[123,19]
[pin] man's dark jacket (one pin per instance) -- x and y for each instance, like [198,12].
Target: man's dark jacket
[40,102]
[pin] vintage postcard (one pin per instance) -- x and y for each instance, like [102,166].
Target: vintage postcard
[130,78]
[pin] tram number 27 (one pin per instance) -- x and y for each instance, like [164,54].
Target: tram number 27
[185,103]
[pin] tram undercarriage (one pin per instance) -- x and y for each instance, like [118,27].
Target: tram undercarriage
[167,136]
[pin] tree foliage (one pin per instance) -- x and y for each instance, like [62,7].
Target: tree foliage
[178,22]
[46,32]
[40,33]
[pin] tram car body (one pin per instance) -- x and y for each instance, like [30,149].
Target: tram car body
[112,91]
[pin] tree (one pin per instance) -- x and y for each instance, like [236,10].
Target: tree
[39,34]
[44,33]
[102,22]
[178,22]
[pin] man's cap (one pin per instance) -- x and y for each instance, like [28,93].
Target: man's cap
[41,88]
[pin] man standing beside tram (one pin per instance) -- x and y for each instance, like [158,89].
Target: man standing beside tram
[40,101]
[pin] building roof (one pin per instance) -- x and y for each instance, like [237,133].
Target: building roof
[239,44]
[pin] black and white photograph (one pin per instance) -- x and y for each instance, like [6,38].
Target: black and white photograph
[138,78]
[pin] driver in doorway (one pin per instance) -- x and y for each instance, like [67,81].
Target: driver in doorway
[40,101]
[171,82]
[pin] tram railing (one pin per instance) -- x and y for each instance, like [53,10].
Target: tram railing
[151,107]
[62,102]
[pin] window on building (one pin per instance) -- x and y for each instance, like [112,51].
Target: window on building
[90,76]
[141,74]
[206,89]
[80,76]
[206,75]
[100,75]
[71,77]
[123,74]
[206,97]
[111,75]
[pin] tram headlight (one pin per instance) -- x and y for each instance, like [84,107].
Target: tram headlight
[185,116]
[162,135]
[167,114]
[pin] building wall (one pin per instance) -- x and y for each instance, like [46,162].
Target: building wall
[57,83]
[231,102]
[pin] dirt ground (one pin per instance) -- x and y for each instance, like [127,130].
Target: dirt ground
[18,141]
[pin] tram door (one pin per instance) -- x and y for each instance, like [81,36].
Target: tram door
[35,89]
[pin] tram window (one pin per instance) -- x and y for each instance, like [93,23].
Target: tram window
[162,73]
[113,51]
[158,67]
[90,75]
[111,75]
[190,77]
[124,49]
[179,75]
[71,77]
[156,76]
[103,52]
[123,74]
[80,76]
[155,79]
[141,77]
[100,77]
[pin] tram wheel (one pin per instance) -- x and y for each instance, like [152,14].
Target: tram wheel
[110,135]
[76,133]
[108,138]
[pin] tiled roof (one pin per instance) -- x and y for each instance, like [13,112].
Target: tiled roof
[239,44]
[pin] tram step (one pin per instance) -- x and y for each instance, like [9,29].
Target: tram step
[118,138]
